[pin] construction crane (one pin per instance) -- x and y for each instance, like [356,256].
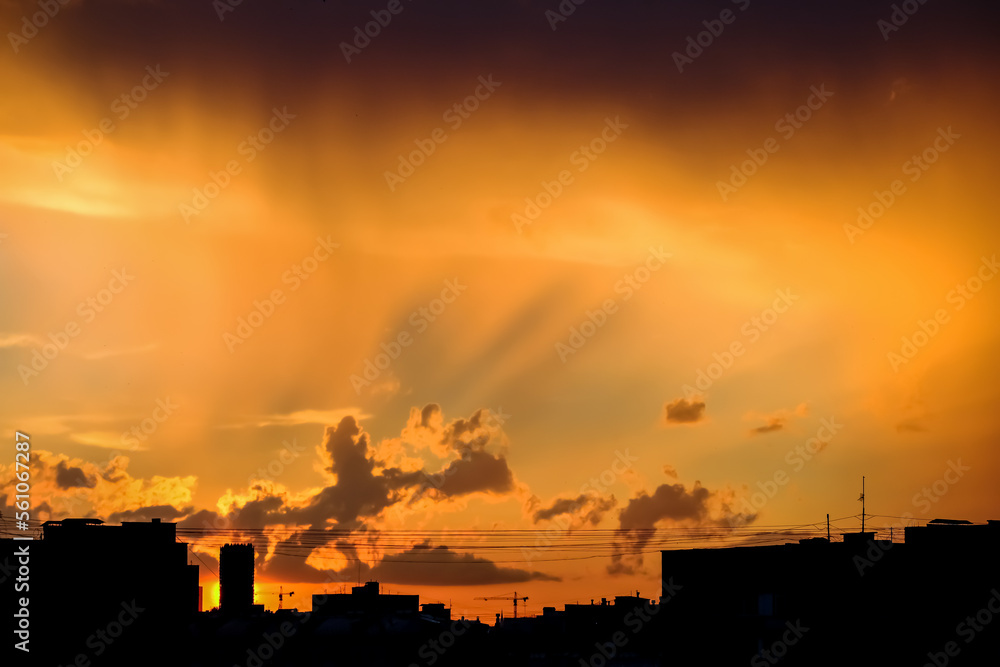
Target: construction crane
[515,598]
[281,595]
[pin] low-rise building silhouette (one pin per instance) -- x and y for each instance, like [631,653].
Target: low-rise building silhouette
[801,602]
[366,599]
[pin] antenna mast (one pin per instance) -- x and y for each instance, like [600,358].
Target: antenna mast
[862,503]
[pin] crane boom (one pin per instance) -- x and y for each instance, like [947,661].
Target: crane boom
[515,598]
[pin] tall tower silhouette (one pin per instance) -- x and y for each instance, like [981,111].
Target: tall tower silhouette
[236,579]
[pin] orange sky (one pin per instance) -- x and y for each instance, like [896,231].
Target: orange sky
[212,279]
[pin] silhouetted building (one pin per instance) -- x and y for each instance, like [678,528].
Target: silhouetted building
[365,600]
[123,595]
[436,610]
[800,602]
[610,633]
[99,592]
[236,563]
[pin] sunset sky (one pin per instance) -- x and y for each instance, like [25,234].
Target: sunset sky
[497,268]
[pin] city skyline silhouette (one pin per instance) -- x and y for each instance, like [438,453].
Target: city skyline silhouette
[791,600]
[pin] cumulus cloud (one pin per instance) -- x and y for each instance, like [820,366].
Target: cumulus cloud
[475,472]
[473,450]
[428,565]
[684,411]
[300,559]
[584,509]
[425,428]
[671,504]
[72,478]
[268,508]
[203,519]
[358,491]
[364,480]
[281,566]
[77,488]
[669,501]
[366,483]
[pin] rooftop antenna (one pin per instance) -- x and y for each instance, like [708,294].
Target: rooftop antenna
[828,527]
[862,499]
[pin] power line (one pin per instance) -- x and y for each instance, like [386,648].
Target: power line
[546,545]
[541,544]
[203,562]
